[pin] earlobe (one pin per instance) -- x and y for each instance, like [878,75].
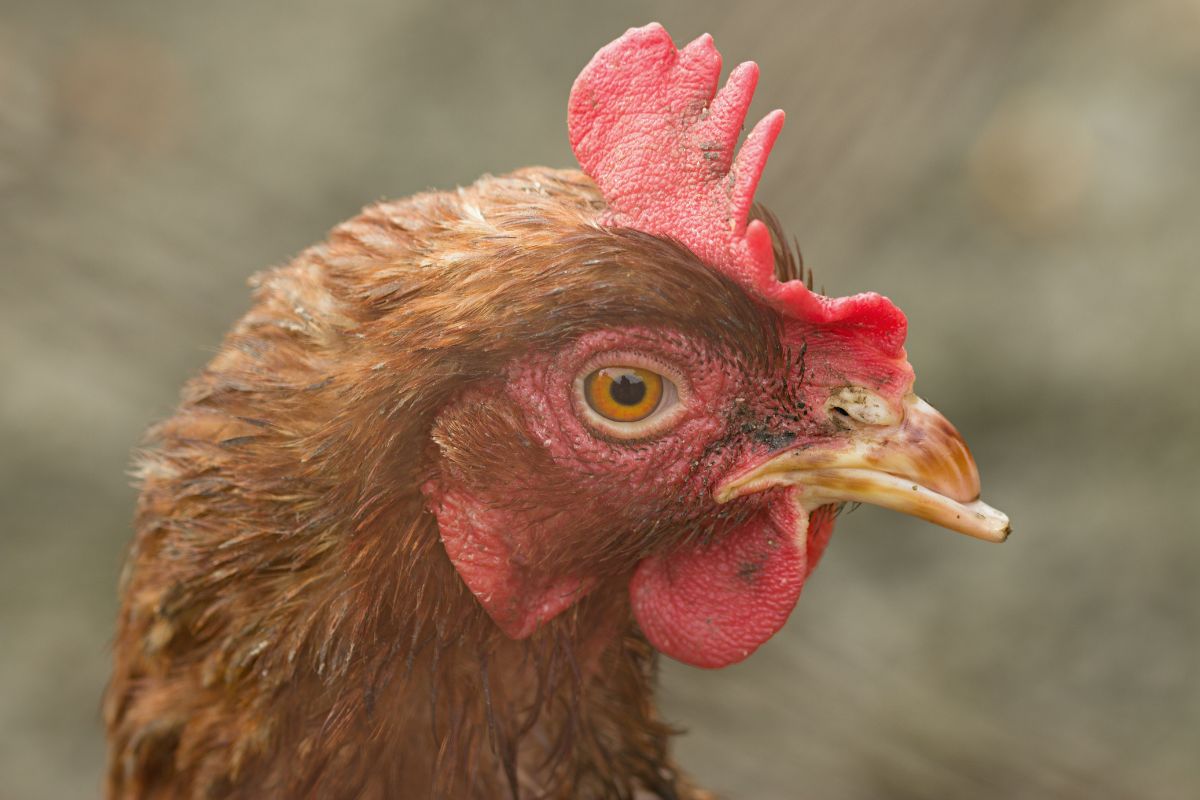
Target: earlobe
[496,545]
[489,556]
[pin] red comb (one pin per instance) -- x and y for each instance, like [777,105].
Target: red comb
[648,125]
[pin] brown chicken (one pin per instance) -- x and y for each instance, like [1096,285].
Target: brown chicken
[424,523]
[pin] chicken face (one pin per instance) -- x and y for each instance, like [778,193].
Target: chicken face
[701,468]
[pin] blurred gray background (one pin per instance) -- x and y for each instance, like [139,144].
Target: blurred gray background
[1022,177]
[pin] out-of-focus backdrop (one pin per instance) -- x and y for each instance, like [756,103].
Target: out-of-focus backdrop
[1021,177]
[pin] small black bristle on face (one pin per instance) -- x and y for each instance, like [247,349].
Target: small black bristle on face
[774,440]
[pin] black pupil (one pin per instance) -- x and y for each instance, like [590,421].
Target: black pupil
[627,390]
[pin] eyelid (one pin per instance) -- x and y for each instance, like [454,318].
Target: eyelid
[636,358]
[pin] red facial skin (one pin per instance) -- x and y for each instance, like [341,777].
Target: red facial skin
[709,583]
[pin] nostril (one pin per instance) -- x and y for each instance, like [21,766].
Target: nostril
[863,406]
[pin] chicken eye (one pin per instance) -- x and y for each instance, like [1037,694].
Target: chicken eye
[624,394]
[629,395]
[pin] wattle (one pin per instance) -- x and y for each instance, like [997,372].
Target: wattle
[712,606]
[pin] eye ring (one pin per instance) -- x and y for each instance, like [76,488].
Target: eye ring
[627,396]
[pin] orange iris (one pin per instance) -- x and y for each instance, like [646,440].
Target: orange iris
[623,394]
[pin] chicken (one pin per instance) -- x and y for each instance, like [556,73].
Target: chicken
[423,524]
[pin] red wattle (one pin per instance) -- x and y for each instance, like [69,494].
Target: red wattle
[714,606]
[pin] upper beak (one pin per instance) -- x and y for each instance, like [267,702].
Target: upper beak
[920,467]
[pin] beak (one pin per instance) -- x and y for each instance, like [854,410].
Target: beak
[920,467]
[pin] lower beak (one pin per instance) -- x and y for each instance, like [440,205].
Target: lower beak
[921,467]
